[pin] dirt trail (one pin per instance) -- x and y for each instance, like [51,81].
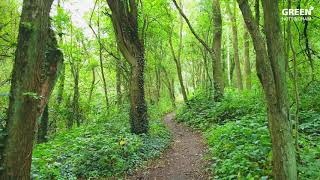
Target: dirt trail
[182,161]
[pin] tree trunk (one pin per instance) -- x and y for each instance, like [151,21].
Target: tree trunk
[172,93]
[204,44]
[103,79]
[247,66]
[235,45]
[101,63]
[257,11]
[179,71]
[170,86]
[70,117]
[76,96]
[63,68]
[158,83]
[43,127]
[228,62]
[138,111]
[125,22]
[216,60]
[271,72]
[92,84]
[118,84]
[34,73]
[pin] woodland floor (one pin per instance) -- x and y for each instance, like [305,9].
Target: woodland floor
[182,161]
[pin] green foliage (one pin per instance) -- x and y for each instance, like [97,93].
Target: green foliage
[310,98]
[238,138]
[241,148]
[204,111]
[104,148]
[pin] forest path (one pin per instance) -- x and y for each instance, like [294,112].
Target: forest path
[183,160]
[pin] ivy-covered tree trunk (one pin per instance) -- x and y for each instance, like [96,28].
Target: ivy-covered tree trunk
[271,69]
[34,73]
[43,126]
[216,60]
[125,22]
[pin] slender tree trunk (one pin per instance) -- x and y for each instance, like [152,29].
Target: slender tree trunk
[247,66]
[63,68]
[76,97]
[103,79]
[172,93]
[118,84]
[179,71]
[34,73]
[92,84]
[158,83]
[228,62]
[43,127]
[235,44]
[271,71]
[308,49]
[70,117]
[216,60]
[125,22]
[203,43]
[170,86]
[178,61]
[295,81]
[101,64]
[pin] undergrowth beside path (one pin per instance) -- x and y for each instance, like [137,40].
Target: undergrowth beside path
[104,148]
[236,131]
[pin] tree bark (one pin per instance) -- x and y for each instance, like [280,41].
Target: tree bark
[270,64]
[216,60]
[36,65]
[158,82]
[235,44]
[247,66]
[125,22]
[257,11]
[118,84]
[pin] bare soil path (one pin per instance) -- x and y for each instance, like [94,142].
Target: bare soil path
[182,161]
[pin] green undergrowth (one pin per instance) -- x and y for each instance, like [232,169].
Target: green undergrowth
[237,134]
[100,149]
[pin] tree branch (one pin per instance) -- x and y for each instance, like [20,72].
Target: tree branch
[205,45]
